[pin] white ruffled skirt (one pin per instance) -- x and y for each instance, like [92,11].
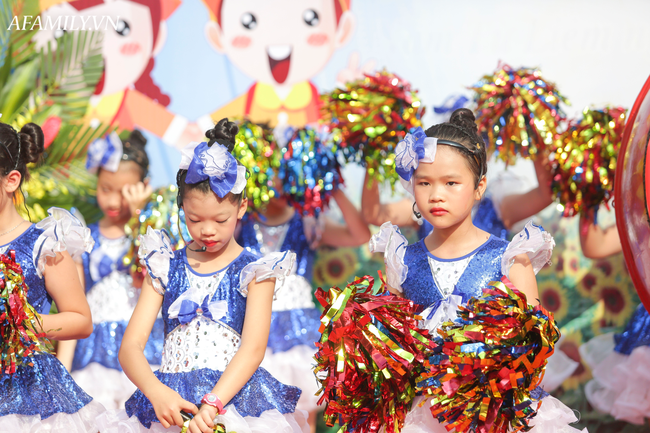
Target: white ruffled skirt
[108,386]
[294,367]
[270,421]
[621,383]
[552,417]
[82,421]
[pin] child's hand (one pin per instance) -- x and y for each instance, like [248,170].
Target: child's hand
[136,196]
[168,404]
[202,422]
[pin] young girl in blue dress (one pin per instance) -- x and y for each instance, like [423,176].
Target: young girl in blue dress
[122,190]
[445,170]
[296,320]
[43,397]
[216,300]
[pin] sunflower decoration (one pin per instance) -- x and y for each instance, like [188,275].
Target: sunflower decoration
[335,267]
[616,298]
[257,150]
[554,298]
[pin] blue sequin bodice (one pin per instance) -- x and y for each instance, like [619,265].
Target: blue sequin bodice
[23,245]
[636,333]
[227,290]
[485,218]
[295,240]
[105,257]
[485,266]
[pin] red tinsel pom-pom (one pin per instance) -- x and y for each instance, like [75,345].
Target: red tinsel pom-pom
[368,357]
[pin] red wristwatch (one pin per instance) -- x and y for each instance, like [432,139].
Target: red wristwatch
[214,401]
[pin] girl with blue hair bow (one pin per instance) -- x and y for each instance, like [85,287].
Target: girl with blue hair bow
[216,304]
[444,169]
[121,167]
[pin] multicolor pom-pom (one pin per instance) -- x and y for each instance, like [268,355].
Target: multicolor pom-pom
[369,117]
[518,111]
[369,354]
[160,212]
[257,150]
[20,323]
[485,370]
[309,171]
[584,164]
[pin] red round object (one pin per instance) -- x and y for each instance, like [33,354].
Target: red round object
[632,192]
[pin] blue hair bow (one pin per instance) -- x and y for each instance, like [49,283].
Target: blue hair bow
[105,152]
[215,163]
[415,147]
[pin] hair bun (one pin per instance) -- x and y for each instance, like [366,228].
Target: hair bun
[223,132]
[137,139]
[31,142]
[464,118]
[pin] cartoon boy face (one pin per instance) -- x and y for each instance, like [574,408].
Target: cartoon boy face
[126,51]
[281,42]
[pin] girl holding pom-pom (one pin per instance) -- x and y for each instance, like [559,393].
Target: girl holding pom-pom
[121,167]
[216,304]
[296,320]
[36,391]
[444,169]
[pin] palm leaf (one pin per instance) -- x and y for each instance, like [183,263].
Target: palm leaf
[68,74]
[6,14]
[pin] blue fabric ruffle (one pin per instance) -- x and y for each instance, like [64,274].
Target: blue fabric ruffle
[294,328]
[636,334]
[44,389]
[262,392]
[103,345]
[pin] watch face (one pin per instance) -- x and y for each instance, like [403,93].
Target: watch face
[211,398]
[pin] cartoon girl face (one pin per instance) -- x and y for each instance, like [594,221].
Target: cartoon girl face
[283,42]
[127,50]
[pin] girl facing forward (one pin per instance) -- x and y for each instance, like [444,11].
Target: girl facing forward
[216,301]
[444,169]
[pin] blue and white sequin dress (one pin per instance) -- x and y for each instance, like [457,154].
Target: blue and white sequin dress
[444,284]
[204,316]
[620,364]
[295,320]
[45,398]
[112,299]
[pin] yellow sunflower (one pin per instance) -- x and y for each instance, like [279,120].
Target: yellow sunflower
[553,297]
[570,346]
[617,301]
[335,267]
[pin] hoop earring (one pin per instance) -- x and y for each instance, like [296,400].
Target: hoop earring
[417,214]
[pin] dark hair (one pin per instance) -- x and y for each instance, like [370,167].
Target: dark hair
[134,150]
[20,148]
[224,132]
[461,129]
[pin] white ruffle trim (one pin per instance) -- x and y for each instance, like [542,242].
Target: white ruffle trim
[294,367]
[621,384]
[532,240]
[552,417]
[107,386]
[558,369]
[270,421]
[156,252]
[390,241]
[274,265]
[62,231]
[82,421]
